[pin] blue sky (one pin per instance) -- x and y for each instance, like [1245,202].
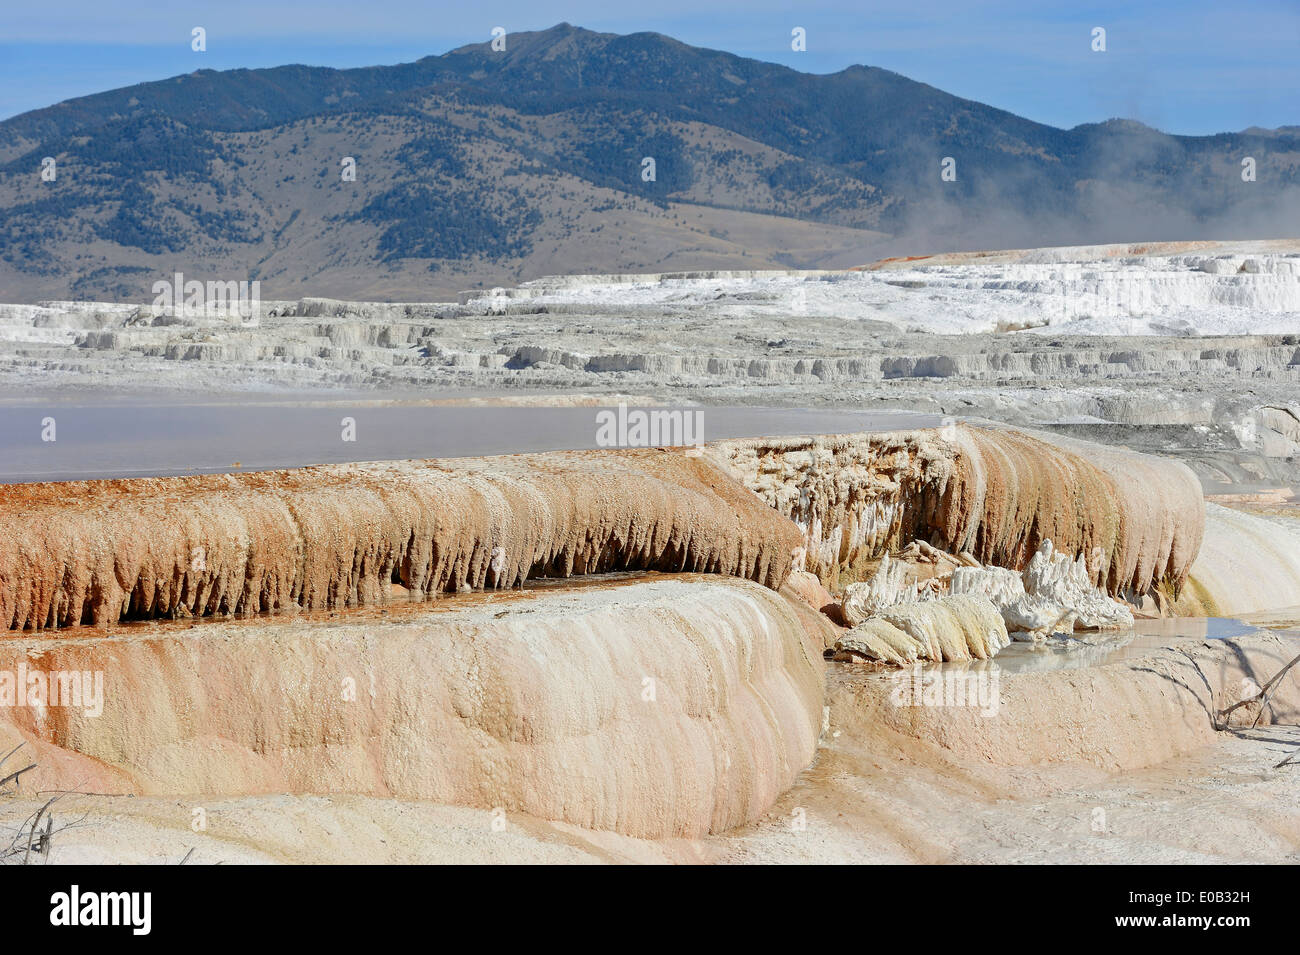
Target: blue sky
[1185,67]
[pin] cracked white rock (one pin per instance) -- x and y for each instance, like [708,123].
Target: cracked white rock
[1054,595]
[889,586]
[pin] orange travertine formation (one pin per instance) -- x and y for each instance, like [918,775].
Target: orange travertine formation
[672,708]
[341,535]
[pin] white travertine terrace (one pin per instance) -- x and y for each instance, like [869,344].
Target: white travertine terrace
[801,330]
[1249,563]
[1208,288]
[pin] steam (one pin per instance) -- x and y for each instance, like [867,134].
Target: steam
[1136,185]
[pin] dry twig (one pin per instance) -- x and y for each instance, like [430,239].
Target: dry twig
[1261,697]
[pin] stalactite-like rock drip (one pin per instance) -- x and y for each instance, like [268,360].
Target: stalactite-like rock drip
[995,494]
[341,535]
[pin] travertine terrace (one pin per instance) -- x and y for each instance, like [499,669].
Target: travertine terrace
[330,537]
[997,494]
[660,653]
[1188,349]
[1249,563]
[533,703]
[341,536]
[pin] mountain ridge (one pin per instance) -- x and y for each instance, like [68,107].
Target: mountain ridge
[481,167]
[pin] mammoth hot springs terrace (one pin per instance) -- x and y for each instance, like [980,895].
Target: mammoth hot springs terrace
[991,546]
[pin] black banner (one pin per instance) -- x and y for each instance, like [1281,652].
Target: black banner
[219,904]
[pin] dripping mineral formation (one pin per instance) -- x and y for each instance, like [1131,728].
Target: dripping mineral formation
[343,536]
[994,494]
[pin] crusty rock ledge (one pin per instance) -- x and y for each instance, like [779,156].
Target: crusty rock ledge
[341,535]
[997,494]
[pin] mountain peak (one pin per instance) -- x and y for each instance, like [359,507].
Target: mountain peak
[530,42]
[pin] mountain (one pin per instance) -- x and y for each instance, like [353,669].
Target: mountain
[484,167]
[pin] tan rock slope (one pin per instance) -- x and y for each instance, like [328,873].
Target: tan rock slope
[995,494]
[1027,779]
[670,708]
[1250,563]
[1117,716]
[339,536]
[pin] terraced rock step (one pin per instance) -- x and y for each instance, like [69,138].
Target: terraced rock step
[660,710]
[1204,334]
[997,494]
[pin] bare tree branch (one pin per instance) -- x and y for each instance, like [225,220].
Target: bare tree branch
[1261,697]
[34,836]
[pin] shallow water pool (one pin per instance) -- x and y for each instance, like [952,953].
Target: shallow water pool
[144,438]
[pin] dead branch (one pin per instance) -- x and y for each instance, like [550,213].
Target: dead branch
[1261,697]
[34,836]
